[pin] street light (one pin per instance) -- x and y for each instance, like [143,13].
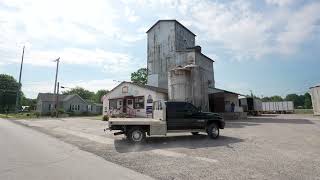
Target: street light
[64,87]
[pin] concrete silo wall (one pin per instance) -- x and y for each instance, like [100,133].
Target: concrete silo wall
[315,96]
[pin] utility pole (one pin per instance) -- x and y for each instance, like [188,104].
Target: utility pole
[57,69]
[55,82]
[57,101]
[19,88]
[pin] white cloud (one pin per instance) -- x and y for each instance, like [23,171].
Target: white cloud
[99,33]
[111,62]
[236,26]
[130,14]
[299,28]
[279,2]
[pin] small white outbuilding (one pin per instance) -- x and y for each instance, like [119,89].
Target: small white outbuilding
[132,99]
[315,96]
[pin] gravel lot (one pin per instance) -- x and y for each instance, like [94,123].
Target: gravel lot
[266,147]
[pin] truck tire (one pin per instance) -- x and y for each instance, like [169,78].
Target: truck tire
[136,135]
[195,133]
[213,131]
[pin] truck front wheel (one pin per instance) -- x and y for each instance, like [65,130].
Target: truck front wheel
[213,131]
[136,135]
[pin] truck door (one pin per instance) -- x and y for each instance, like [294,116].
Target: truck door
[178,116]
[174,115]
[192,116]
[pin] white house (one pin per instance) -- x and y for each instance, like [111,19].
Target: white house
[132,99]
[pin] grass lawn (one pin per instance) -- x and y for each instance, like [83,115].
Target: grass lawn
[303,111]
[18,116]
[99,117]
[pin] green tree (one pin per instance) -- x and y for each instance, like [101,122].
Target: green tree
[307,101]
[140,76]
[297,100]
[32,103]
[83,93]
[276,98]
[99,94]
[8,91]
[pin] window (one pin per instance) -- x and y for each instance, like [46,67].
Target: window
[89,107]
[125,89]
[49,107]
[112,104]
[191,108]
[120,103]
[129,101]
[176,107]
[75,107]
[139,102]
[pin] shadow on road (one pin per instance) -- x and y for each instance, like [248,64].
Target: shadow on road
[276,120]
[258,121]
[186,141]
[269,115]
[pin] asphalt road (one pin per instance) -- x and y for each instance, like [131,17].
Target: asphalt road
[28,154]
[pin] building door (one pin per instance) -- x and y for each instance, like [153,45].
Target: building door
[124,105]
[130,103]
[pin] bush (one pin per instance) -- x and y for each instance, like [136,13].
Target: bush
[37,114]
[105,118]
[61,111]
[70,113]
[122,115]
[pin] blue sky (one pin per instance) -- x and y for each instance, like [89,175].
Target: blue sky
[270,47]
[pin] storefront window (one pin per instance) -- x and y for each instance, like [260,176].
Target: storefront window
[139,102]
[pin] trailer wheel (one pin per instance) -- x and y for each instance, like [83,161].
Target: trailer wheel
[213,131]
[136,135]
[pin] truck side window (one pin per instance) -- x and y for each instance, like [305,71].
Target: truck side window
[191,108]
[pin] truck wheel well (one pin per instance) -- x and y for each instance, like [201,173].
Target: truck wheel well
[146,128]
[214,122]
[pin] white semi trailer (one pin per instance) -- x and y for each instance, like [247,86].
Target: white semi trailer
[278,107]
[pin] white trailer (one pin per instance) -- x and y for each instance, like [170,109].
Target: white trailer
[251,105]
[278,107]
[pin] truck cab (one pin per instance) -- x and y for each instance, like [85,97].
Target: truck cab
[169,116]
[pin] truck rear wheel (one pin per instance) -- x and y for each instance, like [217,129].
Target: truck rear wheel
[136,135]
[213,131]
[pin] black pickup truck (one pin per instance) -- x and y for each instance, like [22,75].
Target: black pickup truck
[169,117]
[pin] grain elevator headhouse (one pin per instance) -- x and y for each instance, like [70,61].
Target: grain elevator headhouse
[177,64]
